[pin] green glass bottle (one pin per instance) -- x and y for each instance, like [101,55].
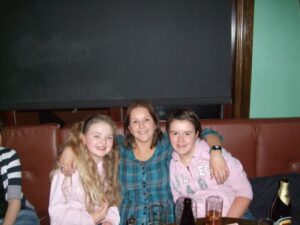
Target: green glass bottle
[281,206]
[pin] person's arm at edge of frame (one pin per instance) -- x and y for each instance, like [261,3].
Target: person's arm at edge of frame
[218,165]
[13,209]
[14,205]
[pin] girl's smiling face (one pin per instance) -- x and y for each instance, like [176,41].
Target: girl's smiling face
[99,140]
[183,137]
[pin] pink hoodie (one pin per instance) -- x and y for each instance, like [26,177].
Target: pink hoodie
[69,207]
[194,181]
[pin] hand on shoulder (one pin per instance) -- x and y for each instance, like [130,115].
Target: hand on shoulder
[67,161]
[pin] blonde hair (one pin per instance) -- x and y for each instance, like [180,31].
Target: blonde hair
[96,188]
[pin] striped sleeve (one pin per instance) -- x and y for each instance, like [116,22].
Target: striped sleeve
[11,174]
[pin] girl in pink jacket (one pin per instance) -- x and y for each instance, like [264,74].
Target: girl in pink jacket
[190,173]
[91,194]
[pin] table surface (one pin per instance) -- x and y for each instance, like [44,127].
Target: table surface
[226,220]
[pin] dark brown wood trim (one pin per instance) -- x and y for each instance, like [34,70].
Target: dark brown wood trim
[8,118]
[116,114]
[242,58]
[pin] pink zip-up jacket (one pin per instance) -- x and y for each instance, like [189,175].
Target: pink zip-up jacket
[194,181]
[68,207]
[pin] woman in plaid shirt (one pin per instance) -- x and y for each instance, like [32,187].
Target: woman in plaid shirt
[145,154]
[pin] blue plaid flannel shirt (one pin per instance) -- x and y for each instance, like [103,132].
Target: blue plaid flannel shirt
[145,183]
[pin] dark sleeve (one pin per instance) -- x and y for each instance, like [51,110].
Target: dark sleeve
[208,131]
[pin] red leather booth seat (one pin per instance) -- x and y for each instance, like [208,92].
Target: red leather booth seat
[37,149]
[264,146]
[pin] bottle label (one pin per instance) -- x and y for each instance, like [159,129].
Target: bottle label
[283,193]
[284,221]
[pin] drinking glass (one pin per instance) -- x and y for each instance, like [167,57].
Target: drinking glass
[213,210]
[157,214]
[179,209]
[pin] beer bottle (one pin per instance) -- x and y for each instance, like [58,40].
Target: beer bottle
[187,217]
[281,206]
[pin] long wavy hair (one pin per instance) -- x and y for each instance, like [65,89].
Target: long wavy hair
[129,139]
[97,187]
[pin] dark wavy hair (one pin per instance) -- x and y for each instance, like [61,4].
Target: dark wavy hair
[129,139]
[184,114]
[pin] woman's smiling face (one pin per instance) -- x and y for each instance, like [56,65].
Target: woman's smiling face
[141,125]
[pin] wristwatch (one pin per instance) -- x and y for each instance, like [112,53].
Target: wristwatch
[215,147]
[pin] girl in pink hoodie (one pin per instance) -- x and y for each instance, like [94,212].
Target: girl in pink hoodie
[190,173]
[91,195]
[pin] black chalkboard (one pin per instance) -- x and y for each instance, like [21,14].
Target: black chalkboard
[103,53]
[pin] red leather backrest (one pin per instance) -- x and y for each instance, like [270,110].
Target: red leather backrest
[62,134]
[37,149]
[278,150]
[239,139]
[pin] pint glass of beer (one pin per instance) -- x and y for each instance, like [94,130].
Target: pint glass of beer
[213,210]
